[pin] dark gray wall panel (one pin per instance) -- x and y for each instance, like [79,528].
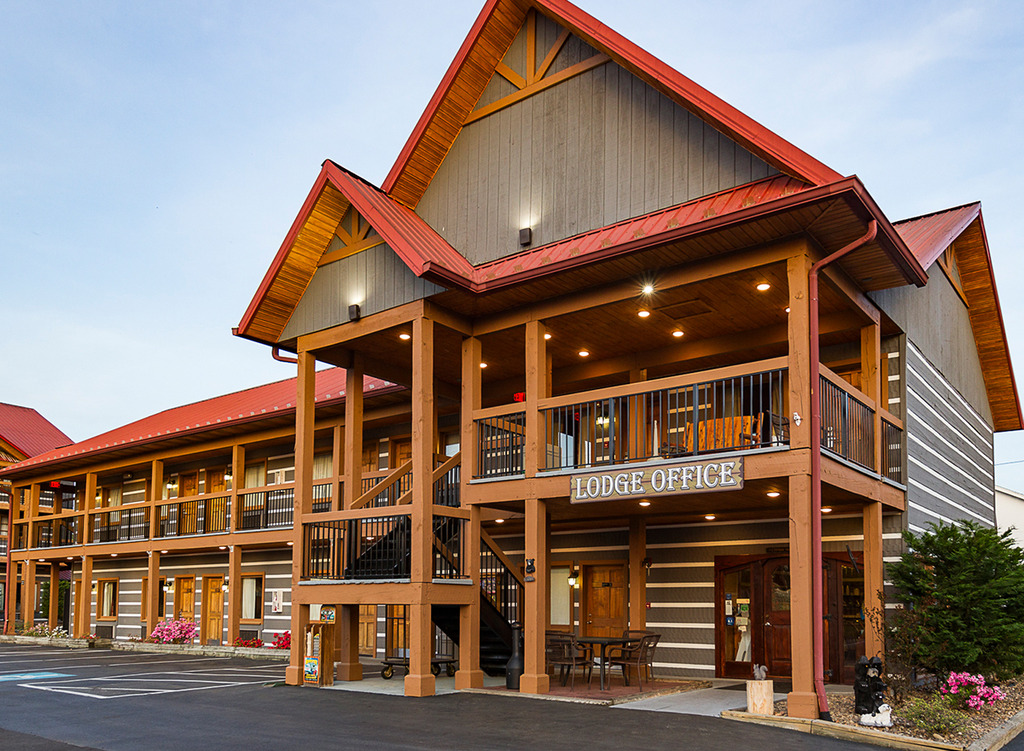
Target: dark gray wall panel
[950,459]
[377,279]
[596,149]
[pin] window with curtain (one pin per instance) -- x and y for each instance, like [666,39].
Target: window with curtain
[107,598]
[252,598]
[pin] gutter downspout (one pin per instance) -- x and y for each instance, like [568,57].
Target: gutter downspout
[817,610]
[276,354]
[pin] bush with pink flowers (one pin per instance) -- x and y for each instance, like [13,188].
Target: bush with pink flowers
[182,631]
[968,691]
[282,641]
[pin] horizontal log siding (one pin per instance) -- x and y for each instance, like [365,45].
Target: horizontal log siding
[377,279]
[600,147]
[274,565]
[950,455]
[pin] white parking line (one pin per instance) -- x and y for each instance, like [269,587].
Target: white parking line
[93,688]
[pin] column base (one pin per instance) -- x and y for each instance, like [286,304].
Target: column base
[420,685]
[349,671]
[535,684]
[293,676]
[469,679]
[802,704]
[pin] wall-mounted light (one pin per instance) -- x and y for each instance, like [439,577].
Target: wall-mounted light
[647,563]
[525,236]
[353,312]
[574,576]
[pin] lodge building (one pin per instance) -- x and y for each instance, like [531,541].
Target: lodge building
[596,325]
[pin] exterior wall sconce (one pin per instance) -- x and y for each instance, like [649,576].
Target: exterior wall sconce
[647,563]
[574,576]
[353,312]
[525,236]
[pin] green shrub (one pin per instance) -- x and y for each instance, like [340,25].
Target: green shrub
[932,714]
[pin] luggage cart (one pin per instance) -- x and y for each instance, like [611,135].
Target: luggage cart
[396,646]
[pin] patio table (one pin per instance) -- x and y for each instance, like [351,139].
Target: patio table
[604,642]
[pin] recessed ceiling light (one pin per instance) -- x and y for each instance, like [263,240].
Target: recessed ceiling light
[645,504]
[709,517]
[648,289]
[677,333]
[787,308]
[71,558]
[404,336]
[483,365]
[773,494]
[826,509]
[290,543]
[643,313]
[547,336]
[763,286]
[584,353]
[163,551]
[499,521]
[113,555]
[223,547]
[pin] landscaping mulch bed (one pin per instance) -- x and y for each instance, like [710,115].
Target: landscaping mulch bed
[976,723]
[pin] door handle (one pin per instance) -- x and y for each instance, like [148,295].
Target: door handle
[767,623]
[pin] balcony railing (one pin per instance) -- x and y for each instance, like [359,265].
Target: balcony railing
[195,516]
[892,452]
[499,583]
[500,442]
[847,425]
[448,548]
[392,487]
[121,525]
[367,548]
[57,533]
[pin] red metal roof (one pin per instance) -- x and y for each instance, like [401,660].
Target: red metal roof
[28,431]
[240,406]
[927,236]
[721,115]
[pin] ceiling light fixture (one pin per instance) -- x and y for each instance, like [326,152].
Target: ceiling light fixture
[648,289]
[763,287]
[644,313]
[584,353]
[787,308]
[773,494]
[404,336]
[499,521]
[547,336]
[826,509]
[645,504]
[483,365]
[677,333]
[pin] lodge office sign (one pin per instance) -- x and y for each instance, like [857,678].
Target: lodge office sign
[665,479]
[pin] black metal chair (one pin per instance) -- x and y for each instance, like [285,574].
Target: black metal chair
[639,655]
[562,651]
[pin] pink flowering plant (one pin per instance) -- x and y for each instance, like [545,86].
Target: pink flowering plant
[173,632]
[968,691]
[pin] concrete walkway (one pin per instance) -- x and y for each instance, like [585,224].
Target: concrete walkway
[709,702]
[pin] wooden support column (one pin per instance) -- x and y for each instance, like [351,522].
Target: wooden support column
[535,622]
[234,592]
[337,467]
[637,574]
[348,667]
[420,681]
[156,492]
[89,505]
[472,379]
[237,483]
[874,644]
[536,389]
[28,593]
[152,605]
[353,430]
[304,420]
[53,604]
[469,674]
[33,512]
[11,593]
[798,268]
[83,604]
[802,701]
[870,381]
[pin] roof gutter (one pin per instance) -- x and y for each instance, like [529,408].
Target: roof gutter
[817,610]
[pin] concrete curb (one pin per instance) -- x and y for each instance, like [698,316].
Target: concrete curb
[255,653]
[991,741]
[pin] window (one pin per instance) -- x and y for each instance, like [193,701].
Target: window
[252,598]
[280,469]
[947,262]
[107,594]
[160,599]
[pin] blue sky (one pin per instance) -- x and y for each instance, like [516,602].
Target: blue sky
[153,155]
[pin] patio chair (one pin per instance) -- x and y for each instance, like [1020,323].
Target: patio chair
[640,656]
[562,651]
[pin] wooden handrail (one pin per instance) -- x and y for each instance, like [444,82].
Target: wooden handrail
[382,512]
[382,486]
[890,418]
[843,385]
[490,543]
[449,464]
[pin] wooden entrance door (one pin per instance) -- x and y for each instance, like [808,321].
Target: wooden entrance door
[212,629]
[604,600]
[777,618]
[185,597]
[368,630]
[188,486]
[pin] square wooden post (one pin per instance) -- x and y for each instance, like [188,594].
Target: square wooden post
[348,668]
[11,593]
[420,681]
[89,504]
[337,468]
[234,592]
[237,484]
[802,701]
[637,574]
[152,606]
[156,493]
[797,269]
[469,674]
[353,459]
[870,383]
[53,604]
[874,567]
[536,389]
[472,380]
[535,678]
[83,601]
[28,594]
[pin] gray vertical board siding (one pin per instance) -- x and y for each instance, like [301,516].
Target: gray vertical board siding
[376,278]
[949,445]
[936,320]
[596,149]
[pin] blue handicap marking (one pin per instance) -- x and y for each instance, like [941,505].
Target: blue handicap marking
[33,676]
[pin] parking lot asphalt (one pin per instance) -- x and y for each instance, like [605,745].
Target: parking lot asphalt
[125,701]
